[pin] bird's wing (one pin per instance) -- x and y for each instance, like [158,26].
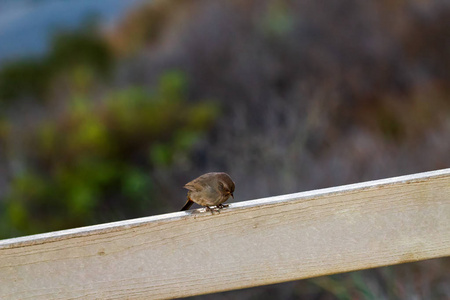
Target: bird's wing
[193,186]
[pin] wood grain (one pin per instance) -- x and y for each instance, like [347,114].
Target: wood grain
[251,243]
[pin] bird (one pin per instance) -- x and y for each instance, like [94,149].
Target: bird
[210,189]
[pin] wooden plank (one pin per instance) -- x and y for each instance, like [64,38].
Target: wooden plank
[251,243]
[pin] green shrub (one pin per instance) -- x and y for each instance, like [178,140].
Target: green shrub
[93,162]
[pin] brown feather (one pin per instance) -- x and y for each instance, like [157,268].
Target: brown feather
[193,186]
[210,189]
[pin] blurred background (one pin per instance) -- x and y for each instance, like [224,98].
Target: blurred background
[108,107]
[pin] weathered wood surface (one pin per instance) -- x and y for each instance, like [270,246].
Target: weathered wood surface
[251,243]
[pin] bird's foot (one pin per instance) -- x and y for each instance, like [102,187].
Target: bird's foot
[208,208]
[216,208]
[212,209]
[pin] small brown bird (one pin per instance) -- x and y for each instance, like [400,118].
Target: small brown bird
[210,189]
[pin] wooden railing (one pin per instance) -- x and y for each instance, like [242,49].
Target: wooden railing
[251,243]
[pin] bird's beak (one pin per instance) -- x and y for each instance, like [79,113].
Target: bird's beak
[231,194]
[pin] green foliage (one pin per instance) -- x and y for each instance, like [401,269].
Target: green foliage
[345,287]
[92,163]
[80,54]
[278,20]
[23,78]
[75,48]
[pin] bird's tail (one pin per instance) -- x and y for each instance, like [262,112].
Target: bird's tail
[188,204]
